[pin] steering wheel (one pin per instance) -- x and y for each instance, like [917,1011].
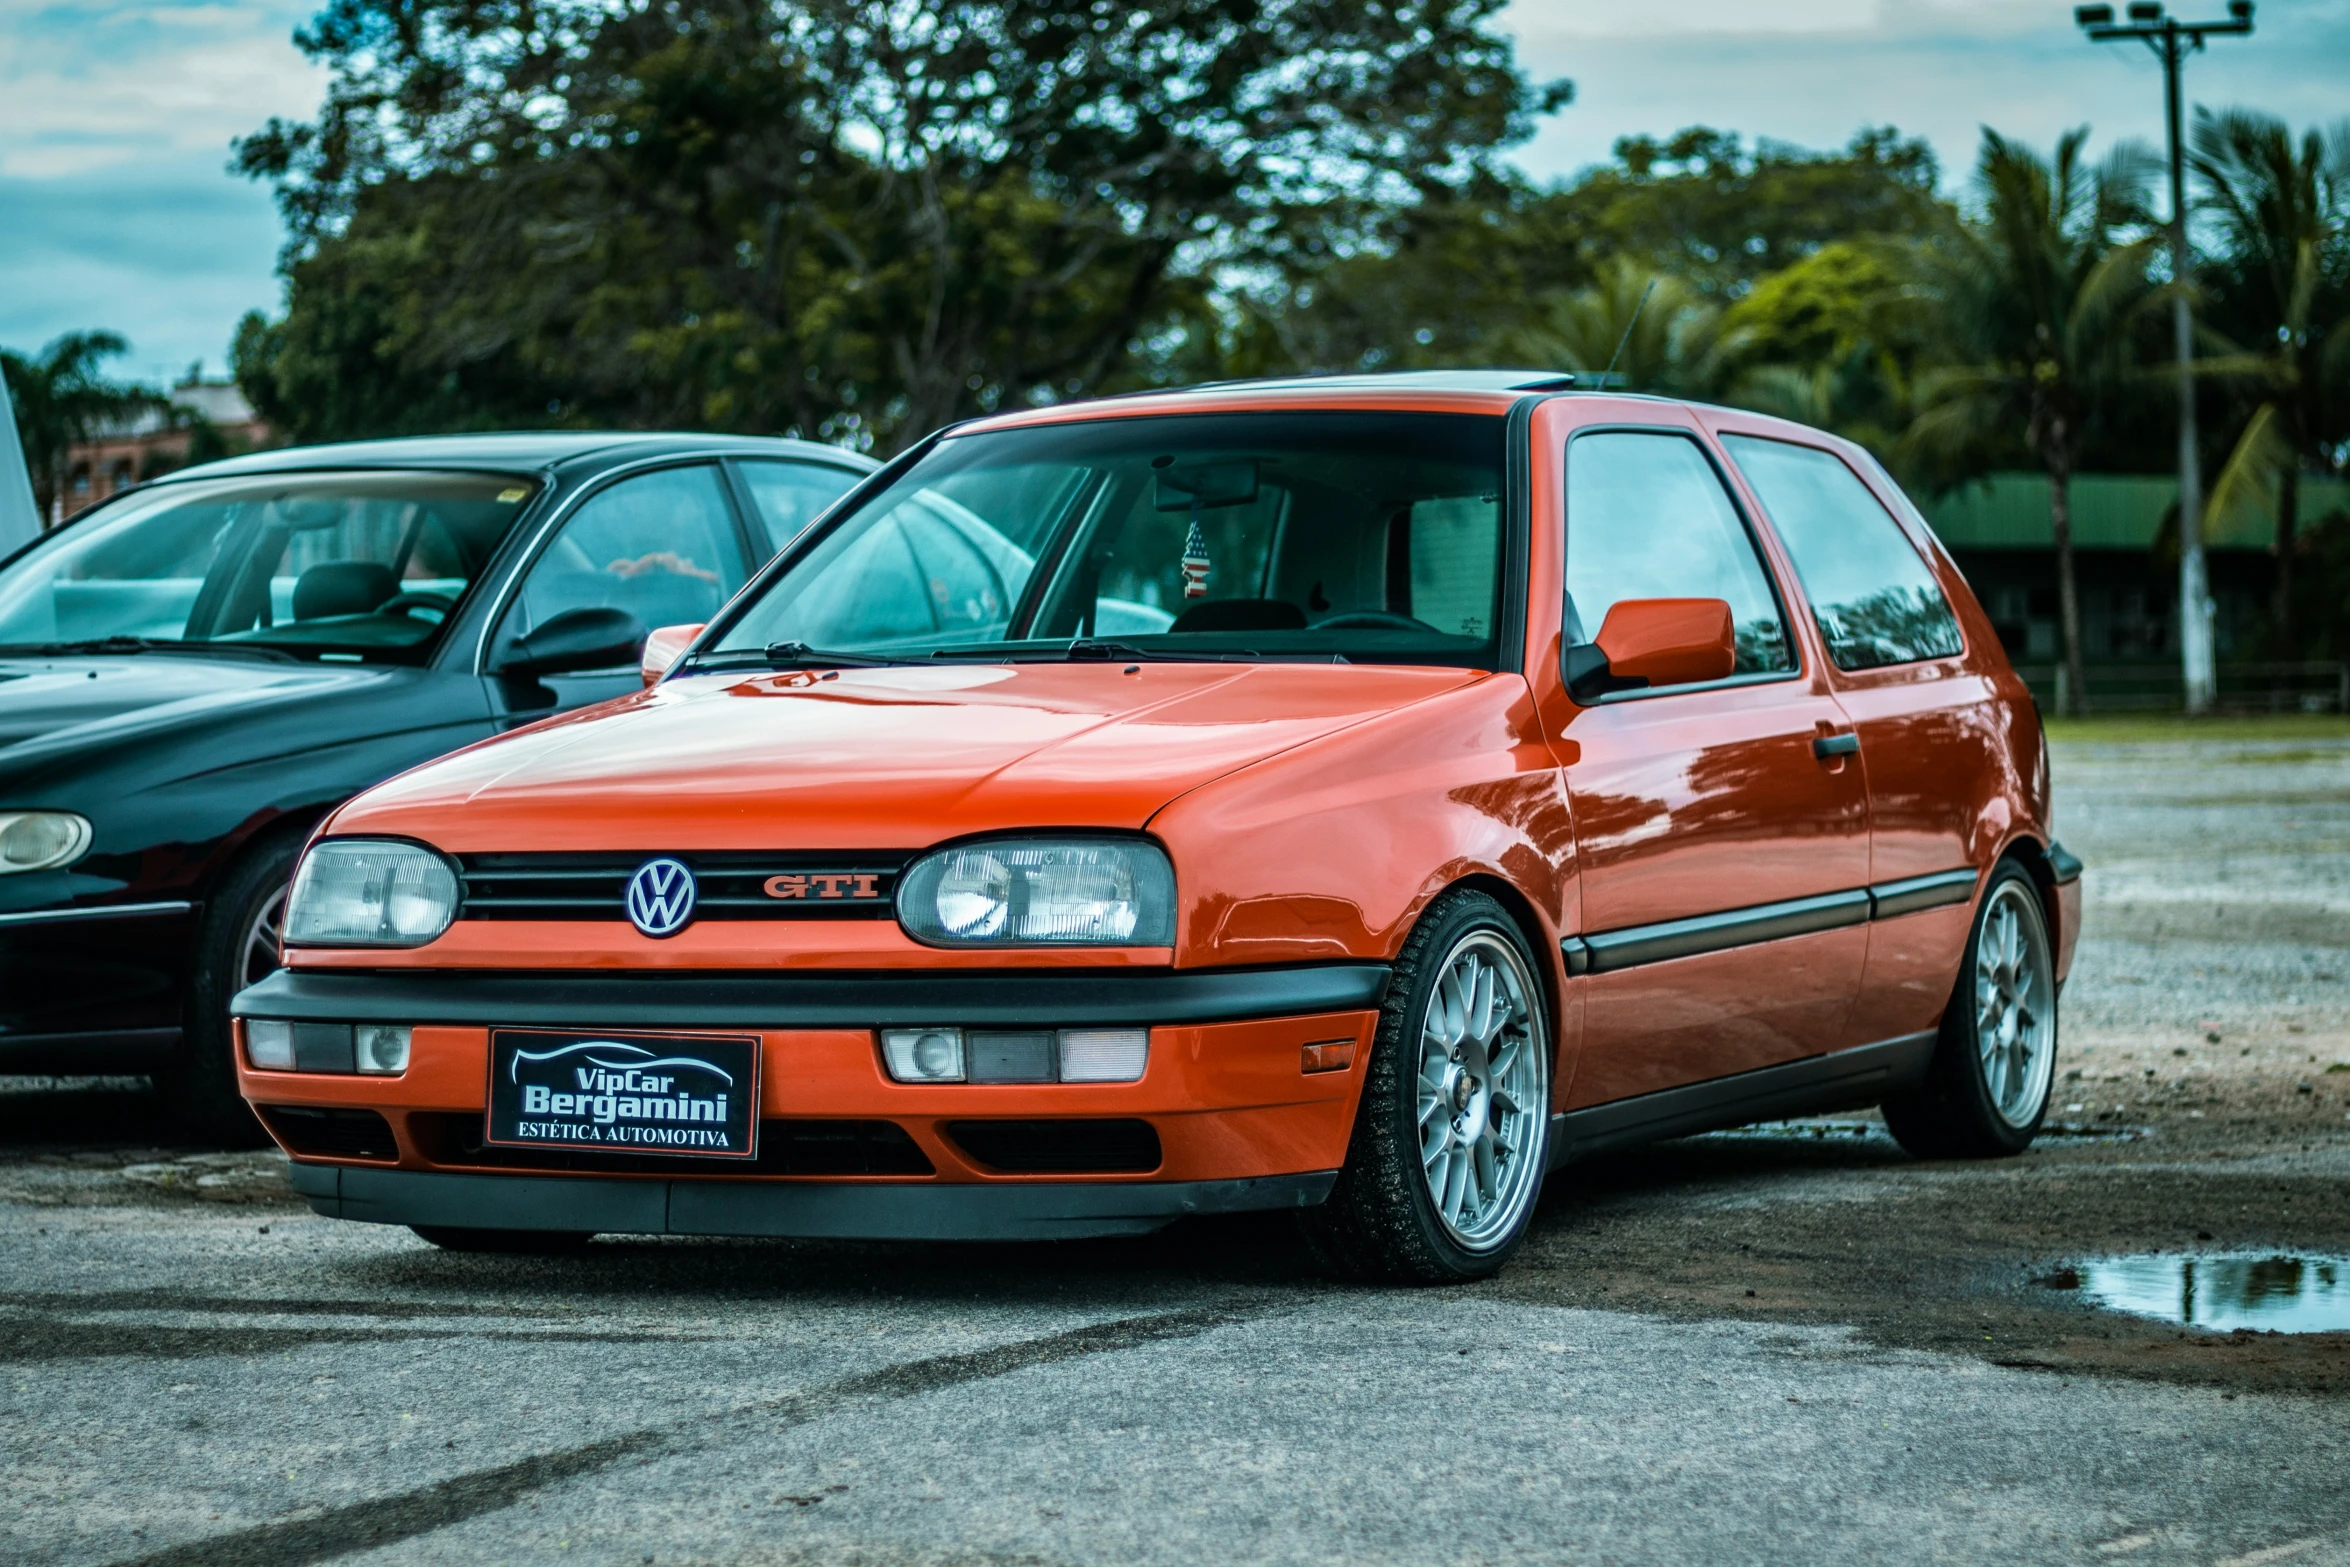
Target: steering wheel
[410,600]
[1374,620]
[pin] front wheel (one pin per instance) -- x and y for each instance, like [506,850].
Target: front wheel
[1987,1088]
[1450,1140]
[236,945]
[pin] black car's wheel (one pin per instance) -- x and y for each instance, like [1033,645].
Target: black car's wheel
[236,945]
[1987,1089]
[1450,1140]
[514,1243]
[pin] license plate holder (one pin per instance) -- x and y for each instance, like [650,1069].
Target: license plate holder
[690,1096]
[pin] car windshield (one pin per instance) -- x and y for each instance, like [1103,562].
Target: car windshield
[350,566]
[1373,537]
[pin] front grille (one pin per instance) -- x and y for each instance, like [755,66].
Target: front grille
[808,885]
[1060,1147]
[331,1134]
[785,1148]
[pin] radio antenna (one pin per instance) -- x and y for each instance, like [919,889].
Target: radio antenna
[1627,337]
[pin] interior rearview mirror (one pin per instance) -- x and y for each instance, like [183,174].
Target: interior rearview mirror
[577,639]
[1653,642]
[662,649]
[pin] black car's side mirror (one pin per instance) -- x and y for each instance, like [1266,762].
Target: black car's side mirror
[577,639]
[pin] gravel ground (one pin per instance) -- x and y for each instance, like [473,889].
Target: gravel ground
[1785,1345]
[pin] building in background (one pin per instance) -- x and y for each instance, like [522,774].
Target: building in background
[2000,533]
[207,419]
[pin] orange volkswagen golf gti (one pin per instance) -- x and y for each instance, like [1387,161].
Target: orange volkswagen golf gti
[1358,796]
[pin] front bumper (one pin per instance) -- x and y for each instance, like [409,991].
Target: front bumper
[926,1211]
[1235,1120]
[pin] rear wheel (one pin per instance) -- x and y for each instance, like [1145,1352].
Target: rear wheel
[516,1243]
[1450,1140]
[1987,1089]
[237,945]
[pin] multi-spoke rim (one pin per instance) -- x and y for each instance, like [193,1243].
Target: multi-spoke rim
[1483,1091]
[258,958]
[2015,1005]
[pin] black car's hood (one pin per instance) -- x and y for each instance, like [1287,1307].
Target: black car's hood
[52,704]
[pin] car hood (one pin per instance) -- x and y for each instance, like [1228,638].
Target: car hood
[50,706]
[877,758]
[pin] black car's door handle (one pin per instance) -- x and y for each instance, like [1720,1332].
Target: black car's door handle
[1835,745]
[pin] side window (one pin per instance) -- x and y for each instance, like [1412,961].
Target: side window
[1647,518]
[661,546]
[1874,597]
[790,495]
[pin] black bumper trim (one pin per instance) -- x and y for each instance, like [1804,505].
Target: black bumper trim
[94,1051]
[674,998]
[808,1210]
[2064,868]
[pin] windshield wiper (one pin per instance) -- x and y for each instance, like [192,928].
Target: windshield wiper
[1088,650]
[146,645]
[798,655]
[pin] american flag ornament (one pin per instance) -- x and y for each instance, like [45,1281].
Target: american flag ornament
[1195,563]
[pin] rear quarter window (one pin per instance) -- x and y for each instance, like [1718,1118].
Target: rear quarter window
[1872,593]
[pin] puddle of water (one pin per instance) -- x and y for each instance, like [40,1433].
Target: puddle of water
[2275,1294]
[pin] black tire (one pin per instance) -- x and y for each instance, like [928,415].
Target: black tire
[1382,1220]
[240,920]
[1959,1112]
[510,1243]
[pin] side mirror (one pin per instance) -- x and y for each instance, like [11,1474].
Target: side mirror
[1653,642]
[574,640]
[662,649]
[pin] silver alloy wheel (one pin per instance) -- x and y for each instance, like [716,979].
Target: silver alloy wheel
[2015,1004]
[259,955]
[1483,1091]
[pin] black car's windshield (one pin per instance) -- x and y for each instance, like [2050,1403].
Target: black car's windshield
[1376,537]
[351,566]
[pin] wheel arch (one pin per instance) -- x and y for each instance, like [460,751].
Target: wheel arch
[1549,966]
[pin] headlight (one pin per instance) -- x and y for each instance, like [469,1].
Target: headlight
[1112,892]
[370,892]
[40,840]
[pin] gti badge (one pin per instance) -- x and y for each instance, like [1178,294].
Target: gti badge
[661,897]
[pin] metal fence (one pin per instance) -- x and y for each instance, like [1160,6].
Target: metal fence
[2318,687]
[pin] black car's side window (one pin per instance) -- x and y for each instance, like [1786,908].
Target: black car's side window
[1647,518]
[1875,599]
[661,546]
[790,495]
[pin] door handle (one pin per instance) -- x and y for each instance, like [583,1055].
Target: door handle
[1827,746]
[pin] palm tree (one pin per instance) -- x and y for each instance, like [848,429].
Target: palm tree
[2036,293]
[62,399]
[2284,214]
[1669,334]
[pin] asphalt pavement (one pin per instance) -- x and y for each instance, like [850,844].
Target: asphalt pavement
[1793,1345]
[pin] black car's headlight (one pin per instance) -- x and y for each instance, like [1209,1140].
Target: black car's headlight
[370,892]
[1019,892]
[40,840]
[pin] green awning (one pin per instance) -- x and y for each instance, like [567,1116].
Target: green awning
[2111,511]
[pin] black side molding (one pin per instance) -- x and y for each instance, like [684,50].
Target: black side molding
[1604,951]
[2064,867]
[1839,1080]
[677,998]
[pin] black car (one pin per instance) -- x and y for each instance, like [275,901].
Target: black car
[193,673]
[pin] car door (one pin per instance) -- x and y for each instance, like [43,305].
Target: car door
[1932,740]
[664,546]
[1723,848]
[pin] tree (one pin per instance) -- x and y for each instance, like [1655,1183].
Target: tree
[2283,274]
[846,218]
[2036,295]
[62,398]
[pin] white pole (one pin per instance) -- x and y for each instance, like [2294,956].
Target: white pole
[19,522]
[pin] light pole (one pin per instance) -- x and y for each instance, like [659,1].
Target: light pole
[2172,41]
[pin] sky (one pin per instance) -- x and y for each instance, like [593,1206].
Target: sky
[117,210]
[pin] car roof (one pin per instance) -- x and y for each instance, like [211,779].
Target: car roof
[522,451]
[1470,391]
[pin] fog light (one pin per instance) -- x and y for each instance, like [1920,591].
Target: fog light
[1326,1055]
[269,1045]
[1104,1055]
[924,1055]
[383,1048]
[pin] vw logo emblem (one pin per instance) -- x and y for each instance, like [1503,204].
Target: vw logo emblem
[661,897]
